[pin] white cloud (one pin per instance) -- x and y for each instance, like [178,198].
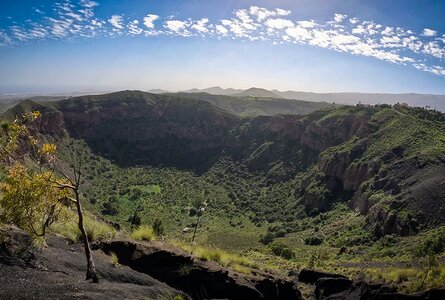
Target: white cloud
[133,27]
[298,33]
[307,24]
[353,21]
[177,27]
[279,23]
[262,13]
[438,70]
[74,16]
[116,21]
[388,31]
[221,30]
[359,29]
[391,41]
[5,40]
[422,50]
[59,28]
[429,32]
[88,3]
[433,49]
[339,18]
[149,20]
[201,25]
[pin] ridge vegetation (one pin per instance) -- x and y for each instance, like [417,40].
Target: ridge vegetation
[323,186]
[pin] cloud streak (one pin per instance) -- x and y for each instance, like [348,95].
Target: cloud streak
[424,50]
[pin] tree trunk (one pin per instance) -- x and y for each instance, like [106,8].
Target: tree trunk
[196,227]
[133,219]
[91,269]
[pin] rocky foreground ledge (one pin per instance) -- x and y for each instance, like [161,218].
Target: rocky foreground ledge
[154,270]
[58,272]
[330,286]
[146,271]
[199,279]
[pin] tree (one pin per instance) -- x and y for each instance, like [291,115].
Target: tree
[158,227]
[29,201]
[33,196]
[135,219]
[427,253]
[198,208]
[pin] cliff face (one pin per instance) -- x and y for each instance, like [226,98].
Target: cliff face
[190,134]
[392,170]
[334,130]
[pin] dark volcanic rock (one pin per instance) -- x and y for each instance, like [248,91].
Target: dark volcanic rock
[58,272]
[200,279]
[344,289]
[327,286]
[311,276]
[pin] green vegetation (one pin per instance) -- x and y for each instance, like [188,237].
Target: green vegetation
[143,233]
[95,229]
[255,192]
[114,259]
[224,258]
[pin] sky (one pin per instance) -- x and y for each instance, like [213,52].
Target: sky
[395,46]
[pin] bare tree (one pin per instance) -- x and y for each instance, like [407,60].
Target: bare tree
[73,184]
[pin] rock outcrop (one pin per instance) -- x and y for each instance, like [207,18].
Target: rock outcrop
[200,279]
[330,286]
[58,272]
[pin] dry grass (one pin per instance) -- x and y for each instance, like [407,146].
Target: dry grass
[143,233]
[95,229]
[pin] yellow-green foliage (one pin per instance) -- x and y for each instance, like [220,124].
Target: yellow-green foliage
[28,199]
[96,230]
[143,233]
[236,262]
[408,279]
[114,259]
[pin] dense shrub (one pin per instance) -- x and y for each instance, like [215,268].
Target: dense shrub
[280,249]
[143,233]
[267,238]
[314,240]
[158,227]
[109,209]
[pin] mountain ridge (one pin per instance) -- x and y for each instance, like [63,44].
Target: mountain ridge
[353,98]
[337,154]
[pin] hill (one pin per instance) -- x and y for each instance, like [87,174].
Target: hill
[256,92]
[366,178]
[216,90]
[339,154]
[412,99]
[257,106]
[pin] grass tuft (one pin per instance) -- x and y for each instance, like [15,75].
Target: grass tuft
[114,259]
[95,230]
[143,233]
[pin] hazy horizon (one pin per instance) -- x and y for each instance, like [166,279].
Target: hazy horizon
[46,92]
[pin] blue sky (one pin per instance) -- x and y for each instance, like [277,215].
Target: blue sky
[309,45]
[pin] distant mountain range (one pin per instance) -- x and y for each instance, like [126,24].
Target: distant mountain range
[412,99]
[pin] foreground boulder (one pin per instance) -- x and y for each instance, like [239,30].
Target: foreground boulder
[311,276]
[364,291]
[338,287]
[328,286]
[199,279]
